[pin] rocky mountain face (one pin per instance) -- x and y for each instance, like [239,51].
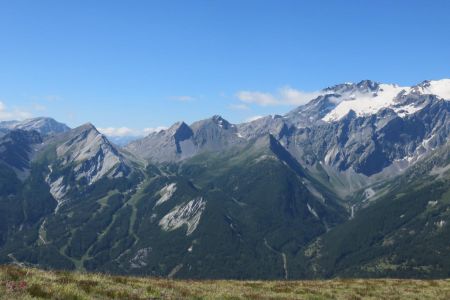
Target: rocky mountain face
[83,156]
[90,155]
[400,232]
[353,183]
[182,141]
[16,149]
[355,134]
[45,126]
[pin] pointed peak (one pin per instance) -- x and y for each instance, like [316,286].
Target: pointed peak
[364,86]
[86,127]
[367,85]
[338,87]
[176,127]
[424,83]
[220,121]
[177,124]
[180,131]
[428,83]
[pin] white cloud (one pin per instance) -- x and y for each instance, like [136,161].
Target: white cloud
[12,114]
[125,131]
[284,96]
[155,129]
[183,98]
[253,118]
[263,99]
[117,131]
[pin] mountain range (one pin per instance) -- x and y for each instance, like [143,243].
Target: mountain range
[354,183]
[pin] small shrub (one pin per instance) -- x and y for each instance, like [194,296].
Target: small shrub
[14,273]
[70,295]
[87,285]
[64,279]
[14,286]
[153,291]
[282,288]
[119,279]
[36,290]
[121,294]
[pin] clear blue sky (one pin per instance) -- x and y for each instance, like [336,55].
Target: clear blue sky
[150,63]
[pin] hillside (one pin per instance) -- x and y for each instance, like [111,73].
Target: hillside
[21,283]
[355,183]
[402,233]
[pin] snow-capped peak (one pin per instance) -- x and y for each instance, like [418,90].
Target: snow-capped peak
[439,88]
[365,102]
[364,86]
[367,98]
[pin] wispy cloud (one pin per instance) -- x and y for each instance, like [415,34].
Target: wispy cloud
[284,96]
[259,98]
[126,131]
[12,114]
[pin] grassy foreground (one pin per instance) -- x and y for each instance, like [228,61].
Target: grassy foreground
[25,283]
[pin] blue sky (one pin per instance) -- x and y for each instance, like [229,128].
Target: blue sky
[144,64]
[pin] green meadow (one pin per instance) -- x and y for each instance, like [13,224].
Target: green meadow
[27,283]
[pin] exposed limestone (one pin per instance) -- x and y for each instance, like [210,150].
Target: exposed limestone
[188,214]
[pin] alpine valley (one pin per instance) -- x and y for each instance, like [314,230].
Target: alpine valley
[355,183]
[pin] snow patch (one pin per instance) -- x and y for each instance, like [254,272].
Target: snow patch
[405,110]
[365,103]
[440,88]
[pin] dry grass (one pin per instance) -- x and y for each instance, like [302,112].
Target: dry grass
[19,283]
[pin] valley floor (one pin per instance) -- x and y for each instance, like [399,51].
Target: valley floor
[26,283]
